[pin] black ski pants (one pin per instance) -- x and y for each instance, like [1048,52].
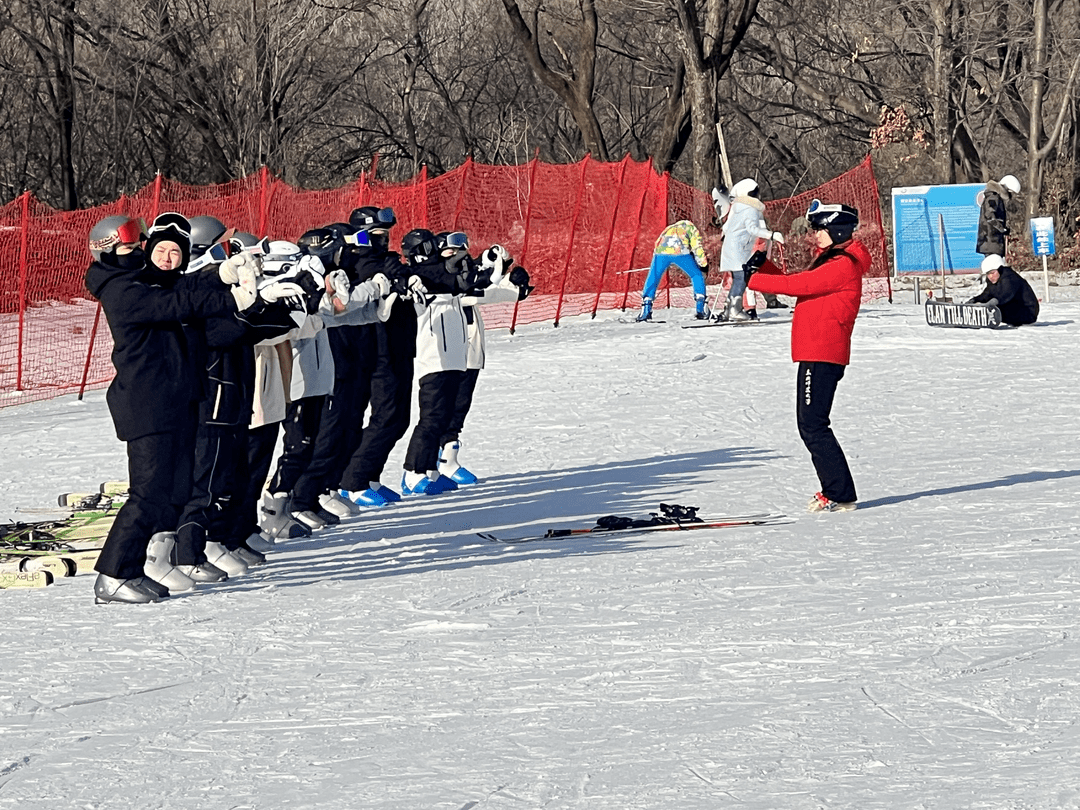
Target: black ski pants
[298,442]
[340,426]
[261,443]
[438,393]
[814,399]
[391,392]
[159,485]
[461,406]
[218,485]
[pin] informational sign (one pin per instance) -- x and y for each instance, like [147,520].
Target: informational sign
[935,228]
[1042,236]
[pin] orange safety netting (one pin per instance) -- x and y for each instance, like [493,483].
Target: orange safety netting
[584,231]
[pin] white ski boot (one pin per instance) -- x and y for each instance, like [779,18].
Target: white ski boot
[449,466]
[159,565]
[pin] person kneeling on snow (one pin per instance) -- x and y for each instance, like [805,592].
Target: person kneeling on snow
[1008,291]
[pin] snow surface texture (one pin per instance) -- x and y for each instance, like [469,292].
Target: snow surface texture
[920,652]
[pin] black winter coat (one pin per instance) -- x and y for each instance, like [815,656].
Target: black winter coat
[230,363]
[1014,295]
[156,381]
[395,338]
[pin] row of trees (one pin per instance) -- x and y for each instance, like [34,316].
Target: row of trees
[97,96]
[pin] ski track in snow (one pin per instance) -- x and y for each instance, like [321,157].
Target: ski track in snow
[920,652]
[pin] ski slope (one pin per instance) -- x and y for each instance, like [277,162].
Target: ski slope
[921,652]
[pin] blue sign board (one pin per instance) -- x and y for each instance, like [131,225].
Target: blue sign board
[936,227]
[1042,236]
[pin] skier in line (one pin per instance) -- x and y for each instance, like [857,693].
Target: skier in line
[315,499]
[990,237]
[745,224]
[1008,291]
[828,295]
[391,378]
[680,245]
[514,286]
[154,396]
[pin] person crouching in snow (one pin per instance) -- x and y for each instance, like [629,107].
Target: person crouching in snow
[828,295]
[680,245]
[1008,291]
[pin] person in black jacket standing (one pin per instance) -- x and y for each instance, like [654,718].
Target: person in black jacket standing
[153,398]
[1008,291]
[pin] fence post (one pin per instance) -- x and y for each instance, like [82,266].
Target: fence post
[425,194]
[528,221]
[156,207]
[630,263]
[24,261]
[460,204]
[611,234]
[573,233]
[264,200]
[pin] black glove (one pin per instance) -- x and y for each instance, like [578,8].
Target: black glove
[519,277]
[399,285]
[753,264]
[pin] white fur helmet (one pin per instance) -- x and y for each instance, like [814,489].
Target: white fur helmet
[745,188]
[1011,183]
[992,262]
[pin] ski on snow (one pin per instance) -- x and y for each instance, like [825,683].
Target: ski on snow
[673,518]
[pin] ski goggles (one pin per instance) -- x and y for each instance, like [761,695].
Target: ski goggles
[170,222]
[385,216]
[456,240]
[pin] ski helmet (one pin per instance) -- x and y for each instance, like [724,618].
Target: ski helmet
[370,218]
[280,258]
[747,187]
[170,227]
[838,219]
[112,231]
[1011,183]
[205,231]
[992,262]
[242,240]
[324,243]
[418,245]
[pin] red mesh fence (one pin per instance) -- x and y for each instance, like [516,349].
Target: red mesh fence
[585,232]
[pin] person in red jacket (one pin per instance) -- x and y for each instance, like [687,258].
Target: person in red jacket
[827,296]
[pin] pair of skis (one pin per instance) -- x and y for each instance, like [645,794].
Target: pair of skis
[672,518]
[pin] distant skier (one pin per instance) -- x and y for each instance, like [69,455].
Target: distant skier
[990,239]
[745,224]
[680,245]
[828,295]
[1008,291]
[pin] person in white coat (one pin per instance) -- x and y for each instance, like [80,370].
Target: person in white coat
[745,224]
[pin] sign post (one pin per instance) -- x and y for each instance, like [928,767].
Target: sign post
[1042,243]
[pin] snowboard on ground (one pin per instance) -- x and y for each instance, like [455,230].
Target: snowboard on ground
[962,316]
[671,518]
[24,579]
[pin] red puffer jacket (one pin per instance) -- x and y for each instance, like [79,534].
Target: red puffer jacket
[828,297]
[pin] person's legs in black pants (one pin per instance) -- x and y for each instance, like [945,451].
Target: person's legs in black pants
[815,392]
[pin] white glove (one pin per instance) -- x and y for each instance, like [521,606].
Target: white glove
[244,298]
[289,291]
[229,271]
[339,280]
[416,288]
[495,261]
[385,306]
[778,237]
[383,284]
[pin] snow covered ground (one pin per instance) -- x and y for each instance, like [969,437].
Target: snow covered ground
[921,652]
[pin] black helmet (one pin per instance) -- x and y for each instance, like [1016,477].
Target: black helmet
[418,245]
[112,231]
[838,219]
[205,231]
[370,218]
[324,243]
